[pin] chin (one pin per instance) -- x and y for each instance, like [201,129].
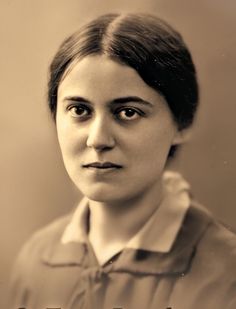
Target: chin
[102,197]
[104,193]
[99,193]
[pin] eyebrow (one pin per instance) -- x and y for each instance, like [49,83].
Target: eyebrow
[122,100]
[75,99]
[131,99]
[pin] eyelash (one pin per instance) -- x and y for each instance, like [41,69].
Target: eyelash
[117,112]
[76,107]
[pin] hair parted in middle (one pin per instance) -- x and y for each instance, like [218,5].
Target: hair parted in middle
[144,42]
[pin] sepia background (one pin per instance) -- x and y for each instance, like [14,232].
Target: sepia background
[34,186]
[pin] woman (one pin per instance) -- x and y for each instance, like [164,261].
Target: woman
[123,93]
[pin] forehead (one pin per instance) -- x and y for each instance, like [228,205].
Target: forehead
[100,76]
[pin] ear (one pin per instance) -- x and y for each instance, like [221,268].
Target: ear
[182,136]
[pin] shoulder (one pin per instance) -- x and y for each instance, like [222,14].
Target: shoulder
[45,236]
[30,254]
[211,279]
[28,267]
[217,240]
[214,245]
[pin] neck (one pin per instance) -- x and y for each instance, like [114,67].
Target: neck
[112,225]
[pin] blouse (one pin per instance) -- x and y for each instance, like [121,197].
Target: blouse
[182,258]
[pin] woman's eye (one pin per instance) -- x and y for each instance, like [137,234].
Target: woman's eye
[128,114]
[79,111]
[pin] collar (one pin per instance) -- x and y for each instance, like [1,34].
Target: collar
[175,262]
[172,249]
[158,233]
[178,260]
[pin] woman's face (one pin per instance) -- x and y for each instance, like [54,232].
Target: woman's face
[107,114]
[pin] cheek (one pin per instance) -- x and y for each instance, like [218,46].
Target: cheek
[69,135]
[153,142]
[70,140]
[64,139]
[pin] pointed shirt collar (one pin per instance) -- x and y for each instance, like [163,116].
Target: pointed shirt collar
[167,249]
[158,233]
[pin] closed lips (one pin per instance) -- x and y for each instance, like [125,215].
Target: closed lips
[102,165]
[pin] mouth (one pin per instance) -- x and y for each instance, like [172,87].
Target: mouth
[102,165]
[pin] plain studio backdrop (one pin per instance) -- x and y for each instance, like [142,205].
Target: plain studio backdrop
[35,188]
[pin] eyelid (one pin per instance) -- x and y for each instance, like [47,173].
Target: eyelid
[79,105]
[89,110]
[137,110]
[139,114]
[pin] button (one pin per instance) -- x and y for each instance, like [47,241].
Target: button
[99,274]
[95,273]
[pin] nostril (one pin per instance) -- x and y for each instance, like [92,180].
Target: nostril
[100,147]
[100,144]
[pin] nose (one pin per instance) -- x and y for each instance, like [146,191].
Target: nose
[100,135]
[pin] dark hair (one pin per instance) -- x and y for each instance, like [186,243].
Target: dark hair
[144,42]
